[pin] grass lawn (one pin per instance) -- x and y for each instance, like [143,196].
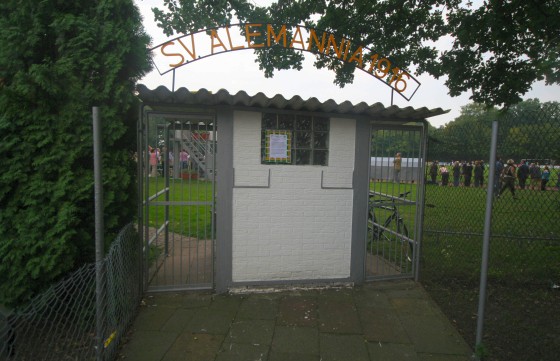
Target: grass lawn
[191,220]
[525,243]
[406,210]
[524,261]
[526,233]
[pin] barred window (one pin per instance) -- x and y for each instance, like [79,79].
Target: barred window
[294,139]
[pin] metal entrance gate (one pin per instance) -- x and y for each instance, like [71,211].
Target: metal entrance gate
[177,185]
[394,199]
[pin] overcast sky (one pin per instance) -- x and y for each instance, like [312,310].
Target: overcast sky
[237,71]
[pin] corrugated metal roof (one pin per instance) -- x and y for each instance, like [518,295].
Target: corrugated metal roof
[162,96]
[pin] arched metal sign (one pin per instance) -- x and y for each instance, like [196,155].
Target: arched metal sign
[188,48]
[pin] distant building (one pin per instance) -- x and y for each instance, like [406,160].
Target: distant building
[381,168]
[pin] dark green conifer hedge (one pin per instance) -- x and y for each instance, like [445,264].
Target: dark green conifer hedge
[59,58]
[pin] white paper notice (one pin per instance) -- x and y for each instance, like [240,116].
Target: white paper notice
[278,146]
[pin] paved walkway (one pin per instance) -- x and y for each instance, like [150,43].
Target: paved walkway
[392,320]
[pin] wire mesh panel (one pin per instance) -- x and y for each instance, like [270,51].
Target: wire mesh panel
[60,324]
[179,200]
[524,259]
[395,175]
[525,233]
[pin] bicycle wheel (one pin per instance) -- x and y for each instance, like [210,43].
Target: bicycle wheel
[397,245]
[373,232]
[406,244]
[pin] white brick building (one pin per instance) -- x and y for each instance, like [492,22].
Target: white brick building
[300,220]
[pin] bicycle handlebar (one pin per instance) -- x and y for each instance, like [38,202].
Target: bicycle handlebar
[390,199]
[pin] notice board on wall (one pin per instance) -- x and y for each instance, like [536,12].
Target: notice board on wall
[278,146]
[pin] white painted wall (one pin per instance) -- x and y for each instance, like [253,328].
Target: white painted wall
[293,230]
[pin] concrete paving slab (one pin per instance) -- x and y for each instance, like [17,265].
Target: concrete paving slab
[254,332]
[238,352]
[194,347]
[153,317]
[285,356]
[369,297]
[148,345]
[178,300]
[392,320]
[430,334]
[178,320]
[340,294]
[338,313]
[413,306]
[297,311]
[210,321]
[392,351]
[382,326]
[296,340]
[335,347]
[226,303]
[196,300]
[443,357]
[407,291]
[259,307]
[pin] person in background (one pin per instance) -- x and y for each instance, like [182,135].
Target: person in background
[184,159]
[498,175]
[171,162]
[397,168]
[468,170]
[434,172]
[508,178]
[456,173]
[535,175]
[153,163]
[545,177]
[478,174]
[444,175]
[522,173]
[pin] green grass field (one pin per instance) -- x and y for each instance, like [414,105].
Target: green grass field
[525,244]
[524,262]
[191,220]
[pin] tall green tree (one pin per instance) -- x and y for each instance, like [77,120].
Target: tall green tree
[58,59]
[467,137]
[526,130]
[499,48]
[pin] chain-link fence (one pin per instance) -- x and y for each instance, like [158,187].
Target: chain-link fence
[525,233]
[60,324]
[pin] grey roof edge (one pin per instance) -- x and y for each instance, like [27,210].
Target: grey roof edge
[184,96]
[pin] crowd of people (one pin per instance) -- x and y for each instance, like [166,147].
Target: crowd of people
[157,160]
[509,175]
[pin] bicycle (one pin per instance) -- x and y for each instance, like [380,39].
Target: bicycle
[391,238]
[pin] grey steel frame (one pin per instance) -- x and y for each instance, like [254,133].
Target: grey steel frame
[149,200]
[421,128]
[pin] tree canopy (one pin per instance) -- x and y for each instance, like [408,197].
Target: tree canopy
[499,48]
[528,129]
[57,60]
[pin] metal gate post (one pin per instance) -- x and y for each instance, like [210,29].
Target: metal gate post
[422,198]
[99,229]
[146,201]
[166,177]
[486,238]
[140,164]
